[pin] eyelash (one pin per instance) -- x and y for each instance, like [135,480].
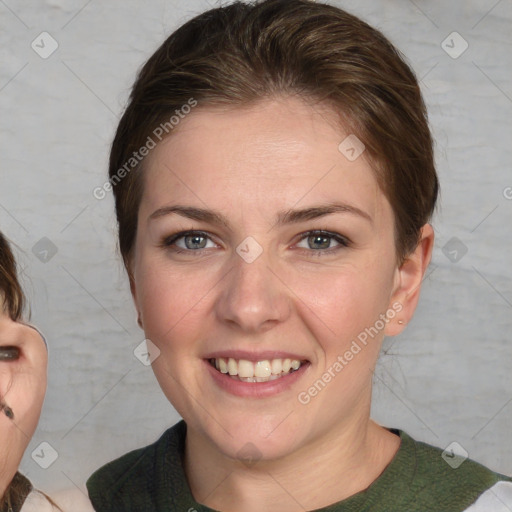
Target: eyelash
[344,242]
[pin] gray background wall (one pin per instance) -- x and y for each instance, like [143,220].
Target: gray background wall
[447,378]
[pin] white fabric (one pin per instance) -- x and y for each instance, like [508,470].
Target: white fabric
[497,498]
[68,501]
[36,501]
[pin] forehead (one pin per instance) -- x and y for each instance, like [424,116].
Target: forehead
[273,154]
[12,332]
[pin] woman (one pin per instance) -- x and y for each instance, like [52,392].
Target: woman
[23,364]
[274,177]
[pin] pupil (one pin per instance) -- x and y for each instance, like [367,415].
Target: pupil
[195,241]
[314,239]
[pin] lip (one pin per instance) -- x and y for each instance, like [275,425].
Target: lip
[255,389]
[254,356]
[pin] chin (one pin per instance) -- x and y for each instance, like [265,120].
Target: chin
[251,440]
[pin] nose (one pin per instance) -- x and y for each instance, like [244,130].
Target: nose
[253,297]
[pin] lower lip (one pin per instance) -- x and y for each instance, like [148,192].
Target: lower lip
[256,389]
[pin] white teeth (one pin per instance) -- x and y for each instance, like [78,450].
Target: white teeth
[245,368]
[223,366]
[232,367]
[276,366]
[260,371]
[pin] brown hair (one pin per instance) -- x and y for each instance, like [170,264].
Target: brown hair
[245,52]
[15,495]
[10,289]
[13,300]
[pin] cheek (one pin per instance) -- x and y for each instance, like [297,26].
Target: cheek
[171,301]
[343,301]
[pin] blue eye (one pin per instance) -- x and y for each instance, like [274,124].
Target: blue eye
[319,242]
[192,241]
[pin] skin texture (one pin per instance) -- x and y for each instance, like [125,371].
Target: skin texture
[22,388]
[248,164]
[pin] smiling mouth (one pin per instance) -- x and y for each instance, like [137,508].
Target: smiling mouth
[259,371]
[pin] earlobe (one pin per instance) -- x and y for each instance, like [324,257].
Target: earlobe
[409,279]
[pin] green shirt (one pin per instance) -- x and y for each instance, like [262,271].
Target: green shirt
[418,478]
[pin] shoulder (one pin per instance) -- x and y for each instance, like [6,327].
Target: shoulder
[139,474]
[37,502]
[441,477]
[67,501]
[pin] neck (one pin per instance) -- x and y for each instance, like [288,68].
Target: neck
[341,463]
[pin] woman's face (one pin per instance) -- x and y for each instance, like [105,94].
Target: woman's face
[22,390]
[254,282]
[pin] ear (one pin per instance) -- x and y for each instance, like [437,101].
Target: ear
[409,277]
[133,290]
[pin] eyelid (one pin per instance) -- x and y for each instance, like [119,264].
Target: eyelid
[171,240]
[342,240]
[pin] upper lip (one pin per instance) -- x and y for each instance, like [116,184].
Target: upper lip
[254,356]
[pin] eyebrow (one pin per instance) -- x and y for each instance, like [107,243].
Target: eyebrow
[284,217]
